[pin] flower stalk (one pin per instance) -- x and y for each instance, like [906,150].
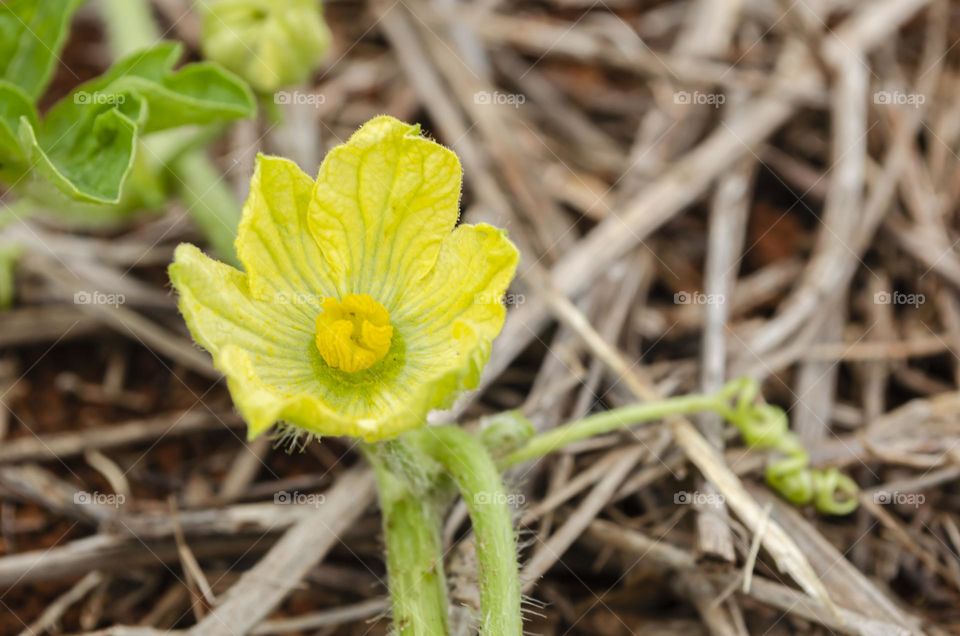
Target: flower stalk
[478,479]
[411,527]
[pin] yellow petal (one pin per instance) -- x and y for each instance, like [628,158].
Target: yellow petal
[383,203]
[283,261]
[219,310]
[460,303]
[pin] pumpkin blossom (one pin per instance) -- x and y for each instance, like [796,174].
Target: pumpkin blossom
[363,305]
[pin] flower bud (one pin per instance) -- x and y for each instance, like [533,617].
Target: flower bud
[269,43]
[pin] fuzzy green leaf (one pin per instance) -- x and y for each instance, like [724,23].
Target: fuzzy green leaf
[32,33]
[91,162]
[197,94]
[87,143]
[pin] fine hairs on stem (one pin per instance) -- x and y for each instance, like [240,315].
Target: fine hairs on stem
[411,523]
[468,462]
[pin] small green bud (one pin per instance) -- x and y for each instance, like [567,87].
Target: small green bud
[269,43]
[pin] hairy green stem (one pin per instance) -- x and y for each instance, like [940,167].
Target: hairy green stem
[761,425]
[546,443]
[411,527]
[478,478]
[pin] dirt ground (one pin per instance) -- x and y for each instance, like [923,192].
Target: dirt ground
[701,190]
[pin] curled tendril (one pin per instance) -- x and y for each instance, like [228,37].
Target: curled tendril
[766,426]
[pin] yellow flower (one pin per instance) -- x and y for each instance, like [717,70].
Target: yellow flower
[363,306]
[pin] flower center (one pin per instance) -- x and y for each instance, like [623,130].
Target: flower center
[353,334]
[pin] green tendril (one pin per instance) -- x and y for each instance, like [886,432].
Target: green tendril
[765,426]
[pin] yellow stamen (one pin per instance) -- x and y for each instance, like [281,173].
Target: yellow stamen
[353,334]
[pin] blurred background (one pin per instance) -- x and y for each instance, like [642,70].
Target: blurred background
[701,190]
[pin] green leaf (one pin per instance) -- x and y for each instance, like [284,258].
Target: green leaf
[86,145]
[152,63]
[32,33]
[197,94]
[91,162]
